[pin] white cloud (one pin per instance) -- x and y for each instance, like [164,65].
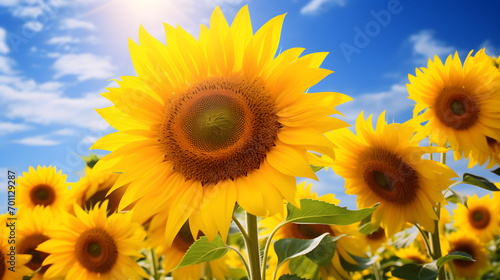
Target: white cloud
[3,43]
[53,54]
[73,23]
[6,65]
[425,46]
[490,49]
[39,140]
[393,101]
[65,132]
[34,25]
[8,3]
[47,105]
[61,40]
[28,11]
[9,127]
[84,66]
[315,6]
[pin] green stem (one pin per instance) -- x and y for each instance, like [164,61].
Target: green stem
[253,246]
[208,271]
[154,263]
[241,228]
[242,259]
[436,244]
[425,237]
[376,271]
[266,249]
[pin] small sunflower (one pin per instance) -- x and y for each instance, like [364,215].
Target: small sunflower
[413,253]
[461,104]
[94,246]
[465,242]
[173,254]
[480,218]
[385,166]
[374,241]
[46,187]
[93,188]
[12,267]
[33,228]
[215,121]
[345,248]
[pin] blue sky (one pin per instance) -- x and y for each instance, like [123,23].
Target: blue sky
[57,56]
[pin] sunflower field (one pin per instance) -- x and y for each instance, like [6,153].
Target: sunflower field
[200,181]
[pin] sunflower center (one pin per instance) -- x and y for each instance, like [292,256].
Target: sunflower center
[376,235]
[309,231]
[28,246]
[479,217]
[96,250]
[457,109]
[220,128]
[42,195]
[466,248]
[389,176]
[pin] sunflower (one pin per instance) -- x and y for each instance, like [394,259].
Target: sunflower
[33,228]
[215,121]
[479,218]
[374,241]
[94,187]
[385,166]
[12,266]
[46,187]
[412,253]
[94,246]
[173,254]
[461,105]
[465,242]
[345,247]
[493,153]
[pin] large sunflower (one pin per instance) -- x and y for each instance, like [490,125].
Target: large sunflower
[465,242]
[385,166]
[461,105]
[12,265]
[33,228]
[46,187]
[216,121]
[479,218]
[346,246]
[94,246]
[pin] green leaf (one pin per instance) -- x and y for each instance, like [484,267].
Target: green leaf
[457,255]
[290,248]
[304,267]
[320,212]
[290,277]
[323,253]
[414,271]
[204,251]
[496,171]
[457,197]
[479,182]
[316,168]
[361,263]
[366,227]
